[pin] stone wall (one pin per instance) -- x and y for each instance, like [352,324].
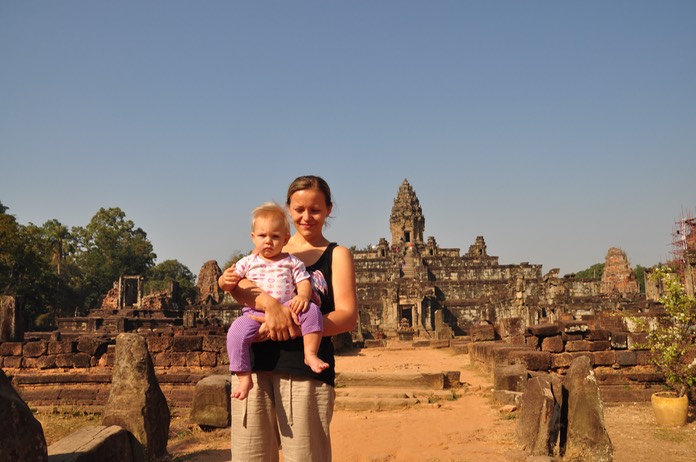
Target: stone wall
[55,369]
[616,350]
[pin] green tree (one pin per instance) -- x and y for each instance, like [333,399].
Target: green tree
[673,337]
[593,272]
[159,276]
[108,247]
[640,277]
[24,268]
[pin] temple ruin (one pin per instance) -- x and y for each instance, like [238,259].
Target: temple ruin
[409,289]
[406,280]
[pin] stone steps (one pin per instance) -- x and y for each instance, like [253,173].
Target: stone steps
[380,391]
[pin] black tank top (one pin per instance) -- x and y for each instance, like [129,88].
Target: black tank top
[288,356]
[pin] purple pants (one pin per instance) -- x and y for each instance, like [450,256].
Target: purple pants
[241,334]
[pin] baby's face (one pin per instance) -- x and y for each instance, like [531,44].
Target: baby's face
[269,236]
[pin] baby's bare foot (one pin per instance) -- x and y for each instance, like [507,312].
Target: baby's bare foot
[315,363]
[242,390]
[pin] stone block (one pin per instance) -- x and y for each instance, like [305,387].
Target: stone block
[533,341]
[538,427]
[178,359]
[61,346]
[587,437]
[21,435]
[510,378]
[214,343]
[34,349]
[136,401]
[508,397]
[511,327]
[577,345]
[452,379]
[573,336]
[11,349]
[12,362]
[561,360]
[46,362]
[573,327]
[77,395]
[619,340]
[643,357]
[600,345]
[604,358]
[193,359]
[533,360]
[208,359]
[65,360]
[187,343]
[159,344]
[211,402]
[90,443]
[544,330]
[552,344]
[82,360]
[163,359]
[482,333]
[92,345]
[638,341]
[626,358]
[599,334]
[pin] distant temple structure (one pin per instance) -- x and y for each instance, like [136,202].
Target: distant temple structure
[407,286]
[404,282]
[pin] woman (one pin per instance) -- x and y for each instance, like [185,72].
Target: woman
[290,405]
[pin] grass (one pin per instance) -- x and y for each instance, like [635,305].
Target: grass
[60,421]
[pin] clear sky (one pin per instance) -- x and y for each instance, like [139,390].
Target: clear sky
[554,129]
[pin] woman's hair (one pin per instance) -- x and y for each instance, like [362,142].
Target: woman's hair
[302,183]
[270,209]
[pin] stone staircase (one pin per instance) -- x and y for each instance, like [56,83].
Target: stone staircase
[380,391]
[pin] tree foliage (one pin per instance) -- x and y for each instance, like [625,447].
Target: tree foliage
[674,335]
[158,277]
[108,247]
[59,271]
[593,272]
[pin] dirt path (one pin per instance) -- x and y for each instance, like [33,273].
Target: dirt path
[468,429]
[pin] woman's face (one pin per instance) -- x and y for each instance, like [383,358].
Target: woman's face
[308,211]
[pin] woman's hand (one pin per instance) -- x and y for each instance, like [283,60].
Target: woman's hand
[279,322]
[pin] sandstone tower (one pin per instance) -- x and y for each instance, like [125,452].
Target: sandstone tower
[618,277]
[407,222]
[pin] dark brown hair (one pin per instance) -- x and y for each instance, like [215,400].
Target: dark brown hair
[302,183]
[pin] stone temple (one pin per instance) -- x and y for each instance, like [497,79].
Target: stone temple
[404,282]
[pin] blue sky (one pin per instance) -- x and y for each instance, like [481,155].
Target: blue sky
[554,129]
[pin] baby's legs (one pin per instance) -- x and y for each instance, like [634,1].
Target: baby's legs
[312,324]
[311,347]
[239,338]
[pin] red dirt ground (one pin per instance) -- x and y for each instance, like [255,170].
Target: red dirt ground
[470,428]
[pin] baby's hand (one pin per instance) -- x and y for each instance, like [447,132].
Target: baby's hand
[229,279]
[299,304]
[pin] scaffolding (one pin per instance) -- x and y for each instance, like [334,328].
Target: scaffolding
[683,239]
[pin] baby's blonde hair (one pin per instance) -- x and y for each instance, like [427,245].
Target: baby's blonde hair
[270,209]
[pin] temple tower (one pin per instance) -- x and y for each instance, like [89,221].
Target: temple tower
[406,221]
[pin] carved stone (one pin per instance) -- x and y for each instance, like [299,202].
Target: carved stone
[136,401]
[21,436]
[209,293]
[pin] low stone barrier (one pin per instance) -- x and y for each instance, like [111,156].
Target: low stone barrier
[618,358]
[87,444]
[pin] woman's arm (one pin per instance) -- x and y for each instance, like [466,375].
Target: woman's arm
[279,324]
[345,315]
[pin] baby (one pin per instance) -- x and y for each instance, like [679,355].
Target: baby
[281,276]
